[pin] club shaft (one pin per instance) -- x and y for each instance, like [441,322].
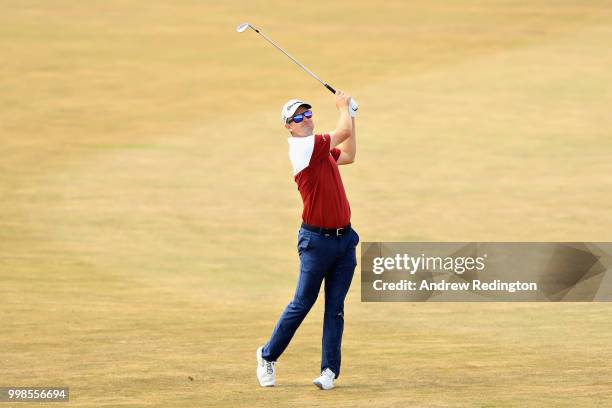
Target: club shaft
[329,87]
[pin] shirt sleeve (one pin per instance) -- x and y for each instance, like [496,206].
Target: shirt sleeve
[321,148]
[335,152]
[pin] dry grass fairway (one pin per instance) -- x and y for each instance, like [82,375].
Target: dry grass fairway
[148,216]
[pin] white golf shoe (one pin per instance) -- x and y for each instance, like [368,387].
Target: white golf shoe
[266,370]
[326,380]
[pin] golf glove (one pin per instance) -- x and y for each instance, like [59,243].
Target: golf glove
[353,108]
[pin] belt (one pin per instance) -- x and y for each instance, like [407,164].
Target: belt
[337,232]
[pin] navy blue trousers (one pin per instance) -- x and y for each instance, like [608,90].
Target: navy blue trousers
[328,258]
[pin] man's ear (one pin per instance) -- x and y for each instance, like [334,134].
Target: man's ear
[288,126]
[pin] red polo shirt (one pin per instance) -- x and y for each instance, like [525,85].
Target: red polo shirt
[318,179]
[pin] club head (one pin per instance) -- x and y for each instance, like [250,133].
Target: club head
[242,27]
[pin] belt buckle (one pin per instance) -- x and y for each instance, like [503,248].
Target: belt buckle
[338,231]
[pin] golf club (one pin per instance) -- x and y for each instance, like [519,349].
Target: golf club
[242,27]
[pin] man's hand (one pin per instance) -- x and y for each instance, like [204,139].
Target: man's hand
[342,100]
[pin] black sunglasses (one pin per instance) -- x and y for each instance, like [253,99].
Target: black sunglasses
[300,117]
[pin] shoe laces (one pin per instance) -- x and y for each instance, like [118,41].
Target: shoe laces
[328,373]
[270,367]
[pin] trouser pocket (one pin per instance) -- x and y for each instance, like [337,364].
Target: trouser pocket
[304,241]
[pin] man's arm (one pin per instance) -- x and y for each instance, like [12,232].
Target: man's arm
[348,148]
[344,128]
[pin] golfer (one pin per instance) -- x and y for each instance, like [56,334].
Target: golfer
[326,240]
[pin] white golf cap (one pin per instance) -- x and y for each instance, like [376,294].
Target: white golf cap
[290,107]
